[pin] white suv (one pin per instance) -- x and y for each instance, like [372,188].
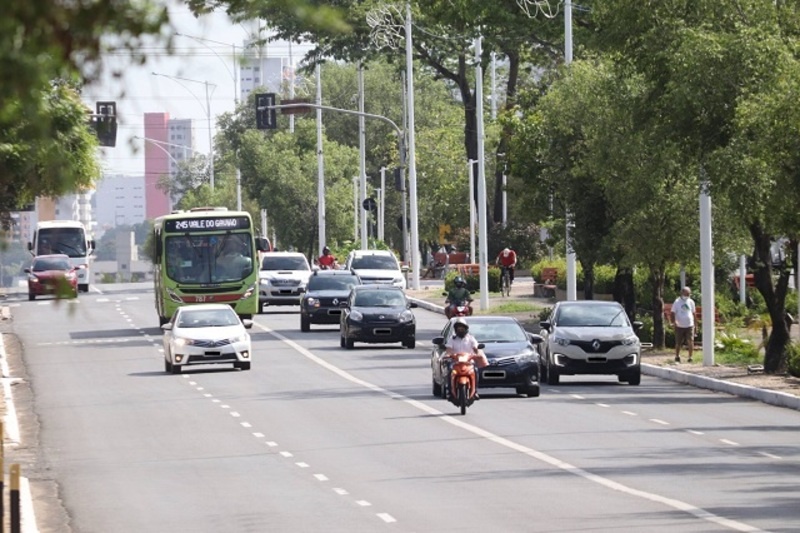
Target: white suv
[376,266]
[283,278]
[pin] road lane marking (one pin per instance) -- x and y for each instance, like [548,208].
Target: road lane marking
[321,477]
[659,421]
[629,413]
[771,456]
[602,405]
[271,443]
[302,465]
[525,450]
[577,396]
[695,432]
[246,425]
[287,454]
[386,517]
[258,435]
[730,442]
[363,503]
[340,492]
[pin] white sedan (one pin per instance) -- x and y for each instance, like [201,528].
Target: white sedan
[206,334]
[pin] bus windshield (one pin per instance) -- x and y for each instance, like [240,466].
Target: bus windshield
[207,259]
[69,241]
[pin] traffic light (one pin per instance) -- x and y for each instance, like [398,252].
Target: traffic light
[399,179]
[265,113]
[104,123]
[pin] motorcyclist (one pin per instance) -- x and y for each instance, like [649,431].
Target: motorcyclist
[458,295]
[507,259]
[462,342]
[327,261]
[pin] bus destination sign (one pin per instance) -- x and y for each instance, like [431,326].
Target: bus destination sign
[207,224]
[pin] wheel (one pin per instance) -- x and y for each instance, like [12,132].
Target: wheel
[349,343]
[176,369]
[463,393]
[436,389]
[305,324]
[552,374]
[532,391]
[342,342]
[260,308]
[242,366]
[410,343]
[635,377]
[167,366]
[31,296]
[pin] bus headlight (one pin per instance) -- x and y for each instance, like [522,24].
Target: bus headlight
[174,296]
[249,292]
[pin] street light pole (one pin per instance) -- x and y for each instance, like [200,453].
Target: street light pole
[412,159]
[178,80]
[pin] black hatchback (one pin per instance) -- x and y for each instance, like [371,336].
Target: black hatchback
[378,314]
[325,297]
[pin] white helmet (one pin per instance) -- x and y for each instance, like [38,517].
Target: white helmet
[460,322]
[506,251]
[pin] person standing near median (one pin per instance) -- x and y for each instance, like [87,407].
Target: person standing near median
[682,319]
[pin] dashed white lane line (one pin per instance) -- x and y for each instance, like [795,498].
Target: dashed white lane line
[769,455]
[729,442]
[363,503]
[695,432]
[235,414]
[287,454]
[602,405]
[530,452]
[321,477]
[659,421]
[577,396]
[629,413]
[258,435]
[340,491]
[271,444]
[302,464]
[386,517]
[246,425]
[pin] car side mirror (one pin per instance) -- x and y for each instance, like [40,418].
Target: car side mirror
[27,270]
[545,325]
[413,304]
[637,325]
[481,346]
[444,293]
[167,326]
[535,339]
[247,323]
[438,341]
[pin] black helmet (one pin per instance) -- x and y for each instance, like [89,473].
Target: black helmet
[326,250]
[459,282]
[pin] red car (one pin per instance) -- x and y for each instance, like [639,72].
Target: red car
[52,274]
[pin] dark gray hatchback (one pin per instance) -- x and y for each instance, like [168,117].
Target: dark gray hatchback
[325,297]
[378,314]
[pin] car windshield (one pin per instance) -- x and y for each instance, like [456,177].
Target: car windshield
[497,332]
[374,262]
[611,315]
[284,263]
[380,299]
[206,318]
[50,263]
[332,283]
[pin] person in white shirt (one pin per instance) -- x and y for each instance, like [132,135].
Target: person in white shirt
[682,319]
[462,342]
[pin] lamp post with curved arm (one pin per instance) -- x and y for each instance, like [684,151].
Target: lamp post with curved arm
[160,145]
[178,80]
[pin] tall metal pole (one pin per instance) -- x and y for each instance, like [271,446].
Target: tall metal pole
[706,272]
[320,167]
[471,164]
[572,277]
[362,157]
[355,208]
[210,138]
[291,88]
[412,164]
[382,205]
[493,76]
[482,224]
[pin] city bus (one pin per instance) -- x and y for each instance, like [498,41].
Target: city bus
[65,237]
[206,255]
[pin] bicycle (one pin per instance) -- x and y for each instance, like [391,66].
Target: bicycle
[505,281]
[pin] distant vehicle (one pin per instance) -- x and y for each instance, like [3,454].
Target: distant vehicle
[52,274]
[512,352]
[68,237]
[590,337]
[376,266]
[377,314]
[205,334]
[325,296]
[205,255]
[282,278]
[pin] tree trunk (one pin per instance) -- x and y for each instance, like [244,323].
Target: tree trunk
[588,281]
[774,298]
[503,146]
[657,278]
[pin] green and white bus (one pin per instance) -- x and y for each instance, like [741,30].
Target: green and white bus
[206,255]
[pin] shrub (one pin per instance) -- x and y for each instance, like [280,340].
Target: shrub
[732,349]
[793,359]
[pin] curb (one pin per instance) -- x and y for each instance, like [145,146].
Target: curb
[780,399]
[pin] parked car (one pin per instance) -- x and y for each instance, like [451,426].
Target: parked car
[590,337]
[512,353]
[376,266]
[325,296]
[283,278]
[204,334]
[52,274]
[377,314]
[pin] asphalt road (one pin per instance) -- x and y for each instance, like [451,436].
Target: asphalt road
[317,438]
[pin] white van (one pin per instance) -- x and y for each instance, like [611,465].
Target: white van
[376,266]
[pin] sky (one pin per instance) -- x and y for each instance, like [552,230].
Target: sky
[138,91]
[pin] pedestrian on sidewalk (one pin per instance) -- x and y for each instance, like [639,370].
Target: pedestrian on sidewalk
[682,319]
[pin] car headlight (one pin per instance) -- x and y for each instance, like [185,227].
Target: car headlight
[71,275]
[526,357]
[630,341]
[406,316]
[312,302]
[241,338]
[33,278]
[183,341]
[264,281]
[561,341]
[356,316]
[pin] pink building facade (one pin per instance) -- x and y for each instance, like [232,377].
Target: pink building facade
[156,164]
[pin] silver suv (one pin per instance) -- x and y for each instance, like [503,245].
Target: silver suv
[590,337]
[283,278]
[376,266]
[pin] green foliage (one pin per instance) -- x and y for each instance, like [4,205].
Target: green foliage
[731,349]
[793,353]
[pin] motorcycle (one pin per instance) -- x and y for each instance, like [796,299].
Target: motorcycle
[463,386]
[455,309]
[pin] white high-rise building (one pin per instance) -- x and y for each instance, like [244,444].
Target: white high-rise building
[119,200]
[181,142]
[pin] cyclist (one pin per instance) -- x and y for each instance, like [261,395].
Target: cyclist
[507,259]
